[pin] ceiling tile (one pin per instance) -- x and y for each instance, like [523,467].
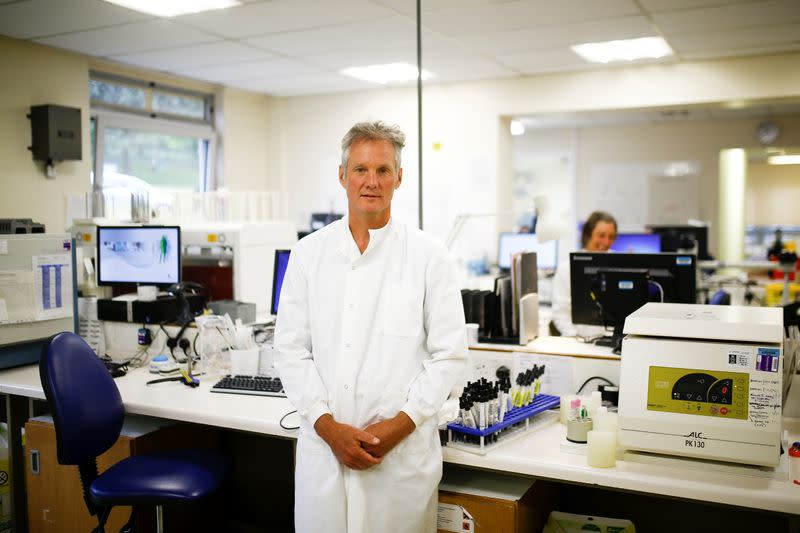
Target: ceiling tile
[222,52]
[248,71]
[655,6]
[776,34]
[283,15]
[321,83]
[137,37]
[525,14]
[741,52]
[728,17]
[40,18]
[409,7]
[543,60]
[392,31]
[363,57]
[551,37]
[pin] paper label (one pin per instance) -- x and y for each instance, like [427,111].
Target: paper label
[3,310]
[52,284]
[765,400]
[768,359]
[739,357]
[3,247]
[451,517]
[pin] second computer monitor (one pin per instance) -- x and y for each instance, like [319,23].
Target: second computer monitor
[513,243]
[640,243]
[595,277]
[281,262]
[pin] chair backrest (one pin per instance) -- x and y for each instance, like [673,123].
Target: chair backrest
[84,400]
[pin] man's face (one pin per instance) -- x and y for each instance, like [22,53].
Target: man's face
[370,178]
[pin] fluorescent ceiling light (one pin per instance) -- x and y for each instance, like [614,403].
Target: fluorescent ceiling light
[784,160]
[383,74]
[171,8]
[624,50]
[516,127]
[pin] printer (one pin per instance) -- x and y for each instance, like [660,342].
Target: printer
[704,381]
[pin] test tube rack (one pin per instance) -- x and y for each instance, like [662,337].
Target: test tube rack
[518,422]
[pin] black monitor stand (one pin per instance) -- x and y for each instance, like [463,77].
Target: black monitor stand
[613,341]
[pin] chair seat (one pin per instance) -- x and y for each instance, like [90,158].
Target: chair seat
[170,477]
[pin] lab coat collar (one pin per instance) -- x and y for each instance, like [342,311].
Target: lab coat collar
[376,236]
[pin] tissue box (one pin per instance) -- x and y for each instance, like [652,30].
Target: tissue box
[234,309]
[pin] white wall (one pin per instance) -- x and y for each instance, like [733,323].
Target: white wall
[468,174]
[773,194]
[251,144]
[34,75]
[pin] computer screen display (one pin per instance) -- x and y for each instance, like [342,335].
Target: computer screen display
[281,261]
[148,255]
[602,283]
[683,237]
[640,243]
[512,243]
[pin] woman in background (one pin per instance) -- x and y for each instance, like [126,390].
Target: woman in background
[599,233]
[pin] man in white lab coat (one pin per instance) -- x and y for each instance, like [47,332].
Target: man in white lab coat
[370,339]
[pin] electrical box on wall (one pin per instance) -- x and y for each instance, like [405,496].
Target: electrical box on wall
[55,133]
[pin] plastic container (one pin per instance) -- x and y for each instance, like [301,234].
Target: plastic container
[794,464]
[601,451]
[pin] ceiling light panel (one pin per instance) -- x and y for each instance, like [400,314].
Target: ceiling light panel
[784,160]
[171,8]
[623,50]
[385,74]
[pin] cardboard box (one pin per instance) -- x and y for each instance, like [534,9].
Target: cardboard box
[473,501]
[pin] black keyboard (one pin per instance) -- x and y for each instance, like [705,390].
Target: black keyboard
[256,385]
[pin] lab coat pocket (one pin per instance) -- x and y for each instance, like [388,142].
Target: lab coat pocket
[401,310]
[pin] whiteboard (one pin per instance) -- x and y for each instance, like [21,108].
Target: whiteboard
[639,193]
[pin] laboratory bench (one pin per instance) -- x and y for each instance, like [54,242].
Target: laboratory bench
[539,454]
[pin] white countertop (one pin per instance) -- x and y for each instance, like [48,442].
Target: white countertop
[175,401]
[569,346]
[538,454]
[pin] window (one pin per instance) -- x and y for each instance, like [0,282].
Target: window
[150,139]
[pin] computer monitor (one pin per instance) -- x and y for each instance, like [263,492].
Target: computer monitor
[640,243]
[607,287]
[683,237]
[146,255]
[320,220]
[513,243]
[281,261]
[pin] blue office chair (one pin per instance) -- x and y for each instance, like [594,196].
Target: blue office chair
[88,414]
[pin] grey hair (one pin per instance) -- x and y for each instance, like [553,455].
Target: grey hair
[373,131]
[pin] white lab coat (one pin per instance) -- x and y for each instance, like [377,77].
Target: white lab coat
[562,306]
[363,337]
